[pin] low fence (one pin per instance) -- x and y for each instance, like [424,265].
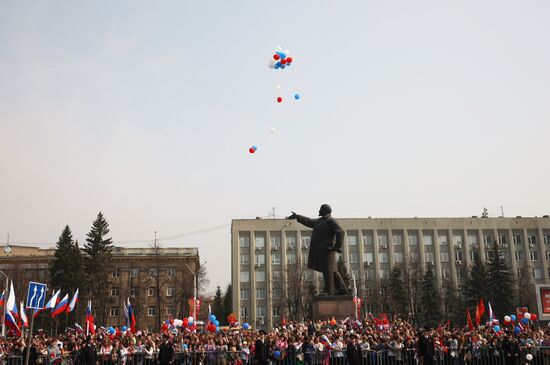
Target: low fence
[464,356]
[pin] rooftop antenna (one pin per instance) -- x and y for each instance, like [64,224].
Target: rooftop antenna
[485,213]
[502,211]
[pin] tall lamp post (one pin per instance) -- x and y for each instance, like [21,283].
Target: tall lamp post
[194,292]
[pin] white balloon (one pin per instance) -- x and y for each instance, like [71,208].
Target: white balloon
[507,319]
[527,315]
[278,87]
[190,319]
[273,130]
[529,357]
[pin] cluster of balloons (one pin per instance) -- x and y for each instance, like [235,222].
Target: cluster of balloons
[111,330]
[252,149]
[280,98]
[214,325]
[280,59]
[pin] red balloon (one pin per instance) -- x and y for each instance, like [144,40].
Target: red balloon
[251,150]
[289,60]
[283,61]
[533,317]
[276,57]
[279,99]
[212,327]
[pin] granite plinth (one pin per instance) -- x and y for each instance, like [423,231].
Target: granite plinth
[328,306]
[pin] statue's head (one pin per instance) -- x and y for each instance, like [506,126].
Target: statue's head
[325,210]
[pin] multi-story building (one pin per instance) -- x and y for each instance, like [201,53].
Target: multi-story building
[133,276]
[268,255]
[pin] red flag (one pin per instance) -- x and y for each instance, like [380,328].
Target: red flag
[480,309]
[469,319]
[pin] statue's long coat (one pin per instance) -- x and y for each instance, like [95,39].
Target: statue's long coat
[326,234]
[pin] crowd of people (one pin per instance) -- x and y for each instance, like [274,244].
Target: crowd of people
[351,342]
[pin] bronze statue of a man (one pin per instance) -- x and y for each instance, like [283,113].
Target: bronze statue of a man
[326,239]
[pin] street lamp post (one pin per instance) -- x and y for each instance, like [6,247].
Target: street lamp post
[194,292]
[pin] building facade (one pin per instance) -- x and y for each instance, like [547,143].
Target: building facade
[269,256]
[133,276]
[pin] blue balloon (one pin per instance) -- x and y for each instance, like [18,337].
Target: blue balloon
[283,66]
[283,55]
[213,317]
[276,66]
[277,354]
[297,96]
[246,326]
[255,149]
[217,329]
[496,328]
[524,321]
[517,330]
[185,346]
[513,317]
[216,322]
[124,328]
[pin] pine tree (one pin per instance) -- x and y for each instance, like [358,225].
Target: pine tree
[477,284]
[453,305]
[227,304]
[431,300]
[500,282]
[397,293]
[217,305]
[97,264]
[60,269]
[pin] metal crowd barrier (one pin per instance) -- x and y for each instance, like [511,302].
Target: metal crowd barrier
[462,356]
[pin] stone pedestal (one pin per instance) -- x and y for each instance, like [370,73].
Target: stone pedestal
[337,306]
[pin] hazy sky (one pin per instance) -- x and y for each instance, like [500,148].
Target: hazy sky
[146,110]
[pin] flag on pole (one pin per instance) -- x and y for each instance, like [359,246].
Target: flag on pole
[50,305]
[12,303]
[131,317]
[61,307]
[491,316]
[480,309]
[24,319]
[3,298]
[73,302]
[10,319]
[90,327]
[469,320]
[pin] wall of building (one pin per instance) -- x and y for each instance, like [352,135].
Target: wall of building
[267,252]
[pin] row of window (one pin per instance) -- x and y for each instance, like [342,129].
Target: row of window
[397,239]
[151,311]
[170,292]
[134,273]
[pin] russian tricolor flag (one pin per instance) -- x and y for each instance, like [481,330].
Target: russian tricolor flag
[71,305]
[24,319]
[10,318]
[61,307]
[90,327]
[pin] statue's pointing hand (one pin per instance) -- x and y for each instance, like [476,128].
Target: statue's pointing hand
[292,216]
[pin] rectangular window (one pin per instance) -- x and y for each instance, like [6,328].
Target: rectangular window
[245,259]
[291,258]
[458,256]
[169,311]
[502,239]
[171,271]
[517,239]
[415,257]
[260,293]
[398,257]
[277,294]
[548,255]
[383,257]
[534,255]
[245,276]
[487,239]
[472,239]
[151,311]
[260,243]
[519,255]
[275,242]
[133,292]
[116,273]
[367,239]
[413,239]
[444,256]
[260,259]
[353,258]
[306,241]
[457,240]
[369,257]
[427,239]
[383,240]
[474,255]
[546,239]
[114,292]
[260,276]
[134,273]
[260,311]
[170,292]
[244,313]
[428,256]
[275,258]
[245,295]
[445,274]
[352,240]
[290,241]
[397,239]
[276,275]
[275,311]
[244,241]
[532,239]
[150,292]
[113,312]
[443,240]
[537,273]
